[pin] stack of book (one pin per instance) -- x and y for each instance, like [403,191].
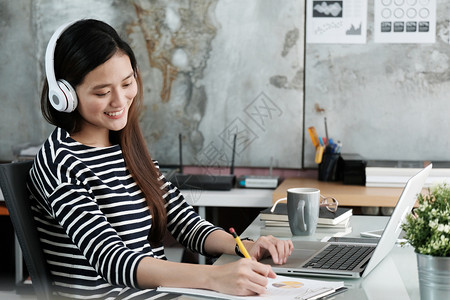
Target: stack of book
[397,173]
[333,224]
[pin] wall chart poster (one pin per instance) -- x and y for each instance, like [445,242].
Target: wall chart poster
[405,21]
[337,22]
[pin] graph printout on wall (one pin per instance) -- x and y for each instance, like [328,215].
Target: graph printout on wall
[336,22]
[405,21]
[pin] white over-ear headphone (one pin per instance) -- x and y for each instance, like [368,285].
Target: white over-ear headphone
[61,94]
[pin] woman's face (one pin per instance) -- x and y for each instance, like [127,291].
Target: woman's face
[105,96]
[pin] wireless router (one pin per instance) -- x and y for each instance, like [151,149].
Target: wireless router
[259,181]
[203,181]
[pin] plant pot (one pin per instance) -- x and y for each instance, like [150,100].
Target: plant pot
[434,277]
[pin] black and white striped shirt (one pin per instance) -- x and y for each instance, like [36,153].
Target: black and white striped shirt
[94,222]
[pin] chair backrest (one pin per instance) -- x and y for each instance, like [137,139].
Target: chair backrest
[13,184]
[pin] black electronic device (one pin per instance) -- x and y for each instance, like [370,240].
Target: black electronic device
[204,181]
[352,169]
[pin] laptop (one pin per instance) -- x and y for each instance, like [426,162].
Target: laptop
[359,259]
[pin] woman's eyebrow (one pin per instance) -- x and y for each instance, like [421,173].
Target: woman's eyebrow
[129,76]
[103,85]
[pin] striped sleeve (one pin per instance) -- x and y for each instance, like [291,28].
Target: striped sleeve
[89,229]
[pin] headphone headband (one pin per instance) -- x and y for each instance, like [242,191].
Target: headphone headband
[61,94]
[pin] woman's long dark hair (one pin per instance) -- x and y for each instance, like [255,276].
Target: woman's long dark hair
[81,48]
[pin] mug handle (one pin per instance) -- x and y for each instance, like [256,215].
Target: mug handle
[275,204]
[301,212]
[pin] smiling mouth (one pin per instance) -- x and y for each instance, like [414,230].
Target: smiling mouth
[114,114]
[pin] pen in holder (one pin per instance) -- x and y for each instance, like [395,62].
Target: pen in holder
[328,166]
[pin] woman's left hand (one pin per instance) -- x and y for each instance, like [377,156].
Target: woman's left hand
[269,245]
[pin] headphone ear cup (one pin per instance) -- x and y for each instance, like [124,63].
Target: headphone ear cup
[69,101]
[57,97]
[60,94]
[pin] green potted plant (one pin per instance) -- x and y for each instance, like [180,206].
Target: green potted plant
[427,229]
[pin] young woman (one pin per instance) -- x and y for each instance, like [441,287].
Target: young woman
[101,205]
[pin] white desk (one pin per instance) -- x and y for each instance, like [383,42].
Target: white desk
[233,198]
[394,278]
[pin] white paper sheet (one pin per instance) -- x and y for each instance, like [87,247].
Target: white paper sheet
[281,287]
[405,21]
[339,22]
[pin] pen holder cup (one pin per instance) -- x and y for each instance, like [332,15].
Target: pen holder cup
[328,167]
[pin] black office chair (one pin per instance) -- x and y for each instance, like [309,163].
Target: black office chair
[13,184]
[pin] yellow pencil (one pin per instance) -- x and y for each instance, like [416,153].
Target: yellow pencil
[239,243]
[319,154]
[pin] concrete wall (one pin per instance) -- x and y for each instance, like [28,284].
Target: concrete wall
[383,101]
[229,67]
[218,68]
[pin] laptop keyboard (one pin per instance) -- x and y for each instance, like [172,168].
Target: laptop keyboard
[340,257]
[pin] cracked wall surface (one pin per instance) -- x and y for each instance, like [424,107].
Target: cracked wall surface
[213,70]
[207,66]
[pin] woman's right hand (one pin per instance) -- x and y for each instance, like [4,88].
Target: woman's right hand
[245,277]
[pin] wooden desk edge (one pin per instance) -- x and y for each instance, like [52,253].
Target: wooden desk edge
[3,209]
[347,195]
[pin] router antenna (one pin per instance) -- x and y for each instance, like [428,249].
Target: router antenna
[271,166]
[232,156]
[180,147]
